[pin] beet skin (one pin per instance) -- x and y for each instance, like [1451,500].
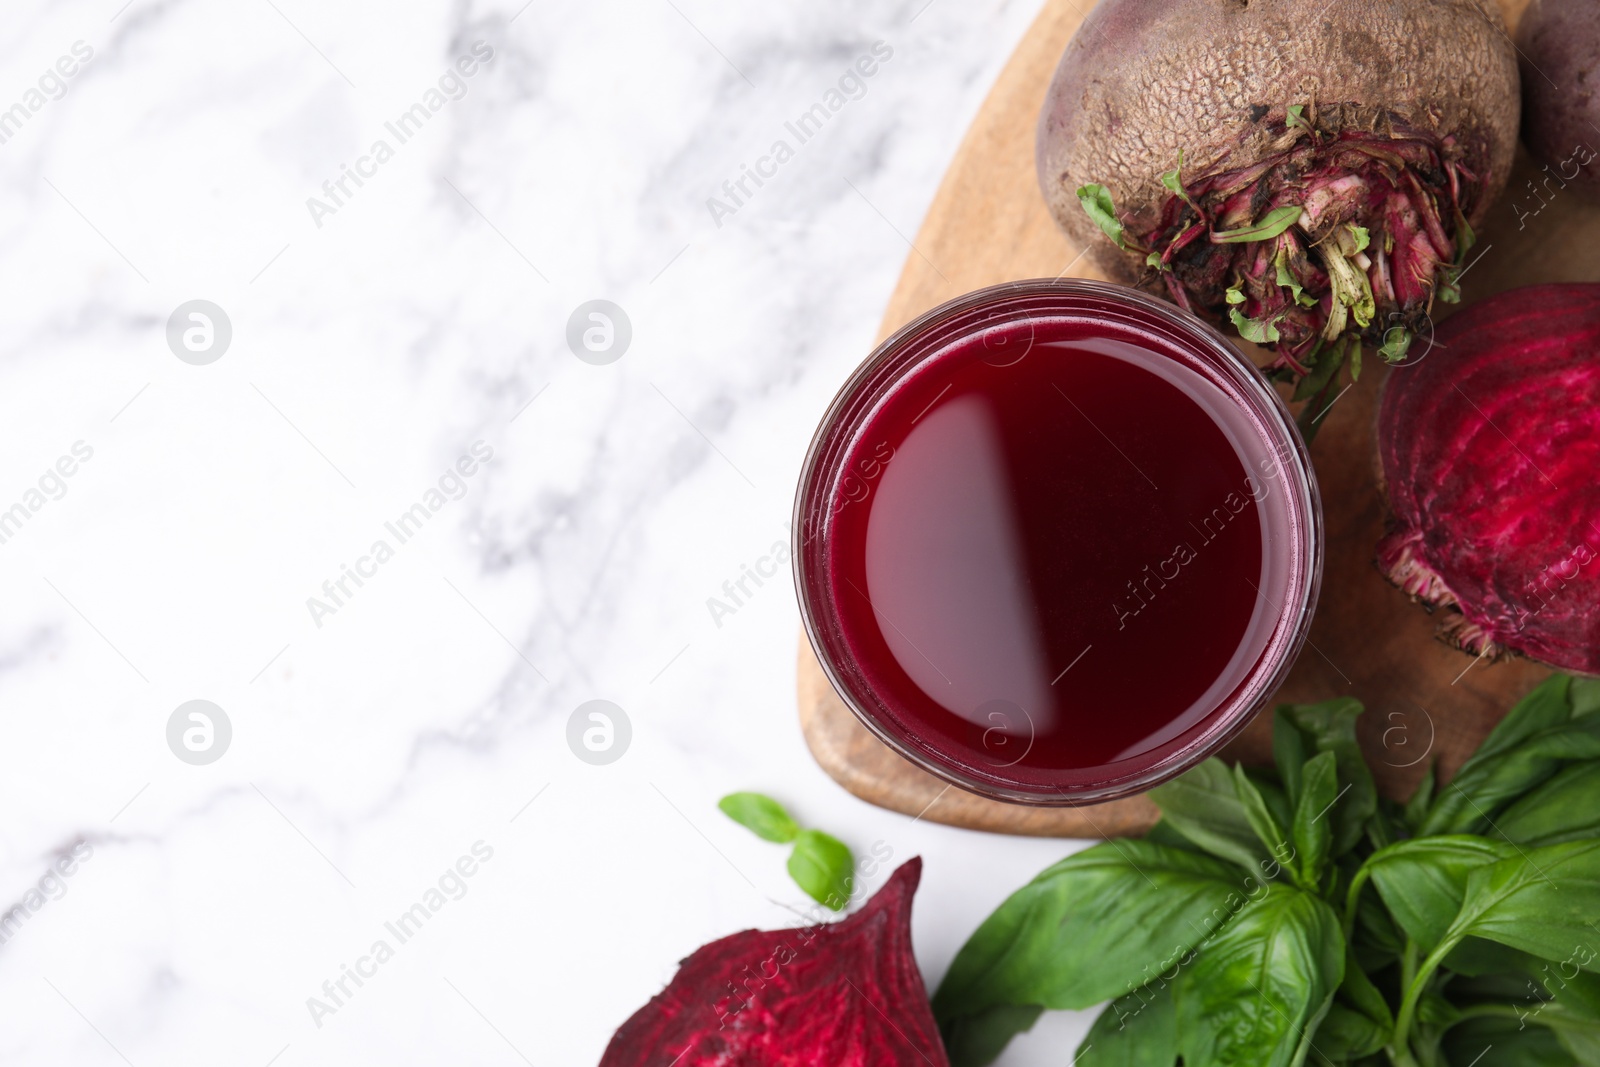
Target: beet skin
[1310,171]
[1559,41]
[847,994]
[1491,450]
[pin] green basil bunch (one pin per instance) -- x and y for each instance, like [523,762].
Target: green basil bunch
[1281,917]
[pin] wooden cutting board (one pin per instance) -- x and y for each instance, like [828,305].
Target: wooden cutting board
[988,224]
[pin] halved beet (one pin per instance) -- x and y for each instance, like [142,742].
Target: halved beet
[846,994]
[1491,457]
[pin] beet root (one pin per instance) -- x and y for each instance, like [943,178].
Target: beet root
[847,994]
[1309,171]
[1490,447]
[1559,42]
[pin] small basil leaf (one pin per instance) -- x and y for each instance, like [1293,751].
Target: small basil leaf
[1421,801]
[1358,990]
[1095,926]
[821,865]
[1331,727]
[1098,204]
[1566,808]
[1424,880]
[1268,828]
[1138,1030]
[1256,992]
[1541,901]
[1313,829]
[1203,805]
[1289,751]
[1493,1041]
[761,815]
[977,1040]
[1348,1035]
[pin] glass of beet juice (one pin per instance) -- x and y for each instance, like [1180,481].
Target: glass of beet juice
[1057,541]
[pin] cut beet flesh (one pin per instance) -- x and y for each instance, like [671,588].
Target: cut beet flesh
[846,994]
[1491,456]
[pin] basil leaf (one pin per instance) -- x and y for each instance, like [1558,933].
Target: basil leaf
[1266,228]
[976,1040]
[1268,826]
[1256,992]
[1577,1035]
[1348,1035]
[1362,995]
[1478,958]
[1493,1041]
[1203,805]
[821,865]
[1565,808]
[1331,727]
[1289,751]
[761,815]
[1540,901]
[1139,1030]
[1424,880]
[1522,752]
[1097,925]
[1098,204]
[1313,831]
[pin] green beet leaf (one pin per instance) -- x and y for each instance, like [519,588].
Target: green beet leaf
[1565,808]
[1093,927]
[1424,880]
[1542,901]
[821,865]
[761,815]
[1138,1030]
[1255,993]
[1204,806]
[1099,205]
[1266,228]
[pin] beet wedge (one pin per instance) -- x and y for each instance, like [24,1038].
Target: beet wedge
[845,994]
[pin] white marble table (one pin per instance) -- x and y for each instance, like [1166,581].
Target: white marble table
[179,529]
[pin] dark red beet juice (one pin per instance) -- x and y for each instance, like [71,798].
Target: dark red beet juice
[1057,542]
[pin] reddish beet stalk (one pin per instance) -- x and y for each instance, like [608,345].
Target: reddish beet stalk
[1491,448]
[847,994]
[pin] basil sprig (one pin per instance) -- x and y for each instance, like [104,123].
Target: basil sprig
[1293,916]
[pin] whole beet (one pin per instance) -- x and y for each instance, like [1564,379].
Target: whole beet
[1390,124]
[1490,446]
[1560,45]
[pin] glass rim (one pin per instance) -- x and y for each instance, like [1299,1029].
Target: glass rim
[1286,642]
